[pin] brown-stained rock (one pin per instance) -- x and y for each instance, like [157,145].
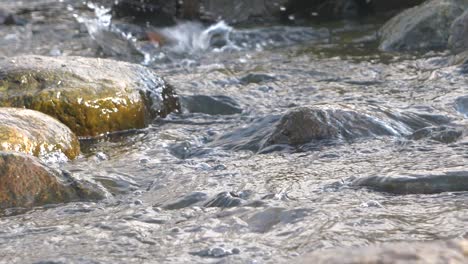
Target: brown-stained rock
[26,182]
[90,96]
[35,133]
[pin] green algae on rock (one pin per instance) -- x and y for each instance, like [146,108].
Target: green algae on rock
[26,182]
[35,133]
[91,96]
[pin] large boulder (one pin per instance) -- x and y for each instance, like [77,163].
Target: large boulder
[421,28]
[453,251]
[26,182]
[90,96]
[35,133]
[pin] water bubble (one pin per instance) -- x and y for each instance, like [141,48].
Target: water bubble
[371,203]
[101,156]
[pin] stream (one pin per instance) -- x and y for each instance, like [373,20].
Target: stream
[190,189]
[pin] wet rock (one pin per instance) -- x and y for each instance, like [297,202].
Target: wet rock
[144,11]
[461,104]
[424,27]
[35,133]
[8,18]
[90,96]
[225,200]
[216,252]
[458,40]
[456,181]
[454,251]
[236,12]
[443,134]
[339,9]
[256,78]
[187,201]
[250,138]
[211,105]
[324,122]
[26,182]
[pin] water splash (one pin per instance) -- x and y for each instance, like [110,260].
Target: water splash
[112,40]
[193,37]
[187,42]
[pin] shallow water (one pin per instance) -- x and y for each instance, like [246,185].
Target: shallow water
[176,193]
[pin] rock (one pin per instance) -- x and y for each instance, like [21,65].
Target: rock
[90,96]
[238,12]
[256,78]
[250,137]
[225,200]
[26,182]
[458,40]
[323,122]
[211,105]
[443,134]
[154,12]
[424,27]
[456,181]
[35,133]
[348,122]
[187,201]
[247,12]
[453,251]
[338,9]
[461,105]
[8,18]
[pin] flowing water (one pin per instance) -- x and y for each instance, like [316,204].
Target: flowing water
[187,190]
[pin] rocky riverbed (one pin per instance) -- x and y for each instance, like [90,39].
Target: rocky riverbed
[285,134]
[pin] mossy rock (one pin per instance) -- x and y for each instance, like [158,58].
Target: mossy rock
[90,96]
[26,182]
[35,133]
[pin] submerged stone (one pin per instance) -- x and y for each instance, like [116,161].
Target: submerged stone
[443,134]
[35,133]
[26,182]
[187,201]
[421,28]
[211,105]
[324,122]
[90,96]
[225,200]
[456,181]
[461,105]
